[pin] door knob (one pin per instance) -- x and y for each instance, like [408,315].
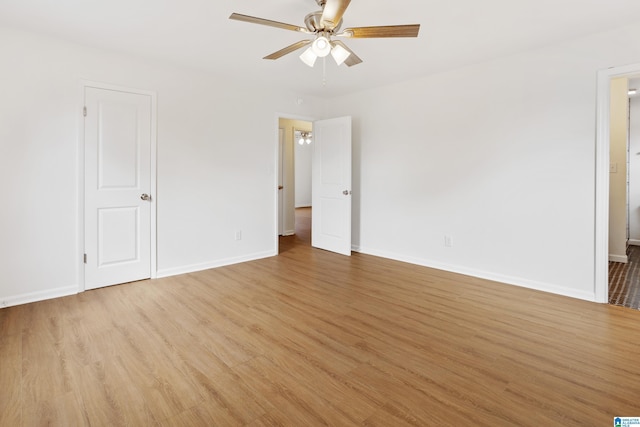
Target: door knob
[346,192]
[280,187]
[145,196]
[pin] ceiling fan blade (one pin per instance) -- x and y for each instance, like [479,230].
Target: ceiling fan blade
[381,31]
[332,12]
[267,22]
[288,49]
[353,59]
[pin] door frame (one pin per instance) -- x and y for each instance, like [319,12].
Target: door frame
[84,84]
[603,116]
[276,162]
[280,173]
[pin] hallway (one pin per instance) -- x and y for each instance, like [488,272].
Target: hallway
[624,280]
[303,231]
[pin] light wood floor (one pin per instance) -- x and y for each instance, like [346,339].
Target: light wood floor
[312,338]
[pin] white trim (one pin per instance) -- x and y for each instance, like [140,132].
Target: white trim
[619,258]
[154,184]
[80,199]
[38,296]
[84,84]
[481,274]
[213,264]
[288,232]
[601,271]
[633,242]
[278,116]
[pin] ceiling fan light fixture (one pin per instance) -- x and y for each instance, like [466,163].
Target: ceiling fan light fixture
[309,57]
[339,54]
[325,24]
[321,46]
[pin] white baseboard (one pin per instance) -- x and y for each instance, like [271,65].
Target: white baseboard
[633,242]
[619,258]
[213,264]
[487,275]
[288,232]
[37,296]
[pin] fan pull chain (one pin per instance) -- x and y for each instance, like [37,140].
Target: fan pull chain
[324,72]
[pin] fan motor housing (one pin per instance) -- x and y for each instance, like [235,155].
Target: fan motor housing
[313,21]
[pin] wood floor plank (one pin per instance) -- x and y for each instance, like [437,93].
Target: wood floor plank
[11,320]
[292,396]
[331,386]
[11,379]
[61,410]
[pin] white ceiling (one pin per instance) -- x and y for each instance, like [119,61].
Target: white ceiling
[198,33]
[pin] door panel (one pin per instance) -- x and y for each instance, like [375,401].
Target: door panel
[118,235]
[117,175]
[331,182]
[118,146]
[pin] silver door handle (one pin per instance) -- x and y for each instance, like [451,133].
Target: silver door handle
[145,196]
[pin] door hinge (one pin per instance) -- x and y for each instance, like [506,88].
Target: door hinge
[84,111]
[85,258]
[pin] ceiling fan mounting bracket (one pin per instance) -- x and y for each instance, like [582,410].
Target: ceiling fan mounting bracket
[321,3]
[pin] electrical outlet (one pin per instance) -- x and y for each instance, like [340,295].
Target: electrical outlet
[448,241]
[238,234]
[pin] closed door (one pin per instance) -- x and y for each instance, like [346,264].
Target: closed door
[117,137]
[331,185]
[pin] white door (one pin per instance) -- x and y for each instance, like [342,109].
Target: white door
[117,137]
[331,185]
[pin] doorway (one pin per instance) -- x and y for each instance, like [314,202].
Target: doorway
[294,175]
[330,181]
[604,168]
[624,240]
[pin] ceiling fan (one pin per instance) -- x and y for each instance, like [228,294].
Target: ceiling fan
[325,24]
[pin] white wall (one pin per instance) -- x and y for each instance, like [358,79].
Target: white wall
[634,169]
[212,180]
[499,156]
[303,172]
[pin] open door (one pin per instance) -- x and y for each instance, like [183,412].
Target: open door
[331,185]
